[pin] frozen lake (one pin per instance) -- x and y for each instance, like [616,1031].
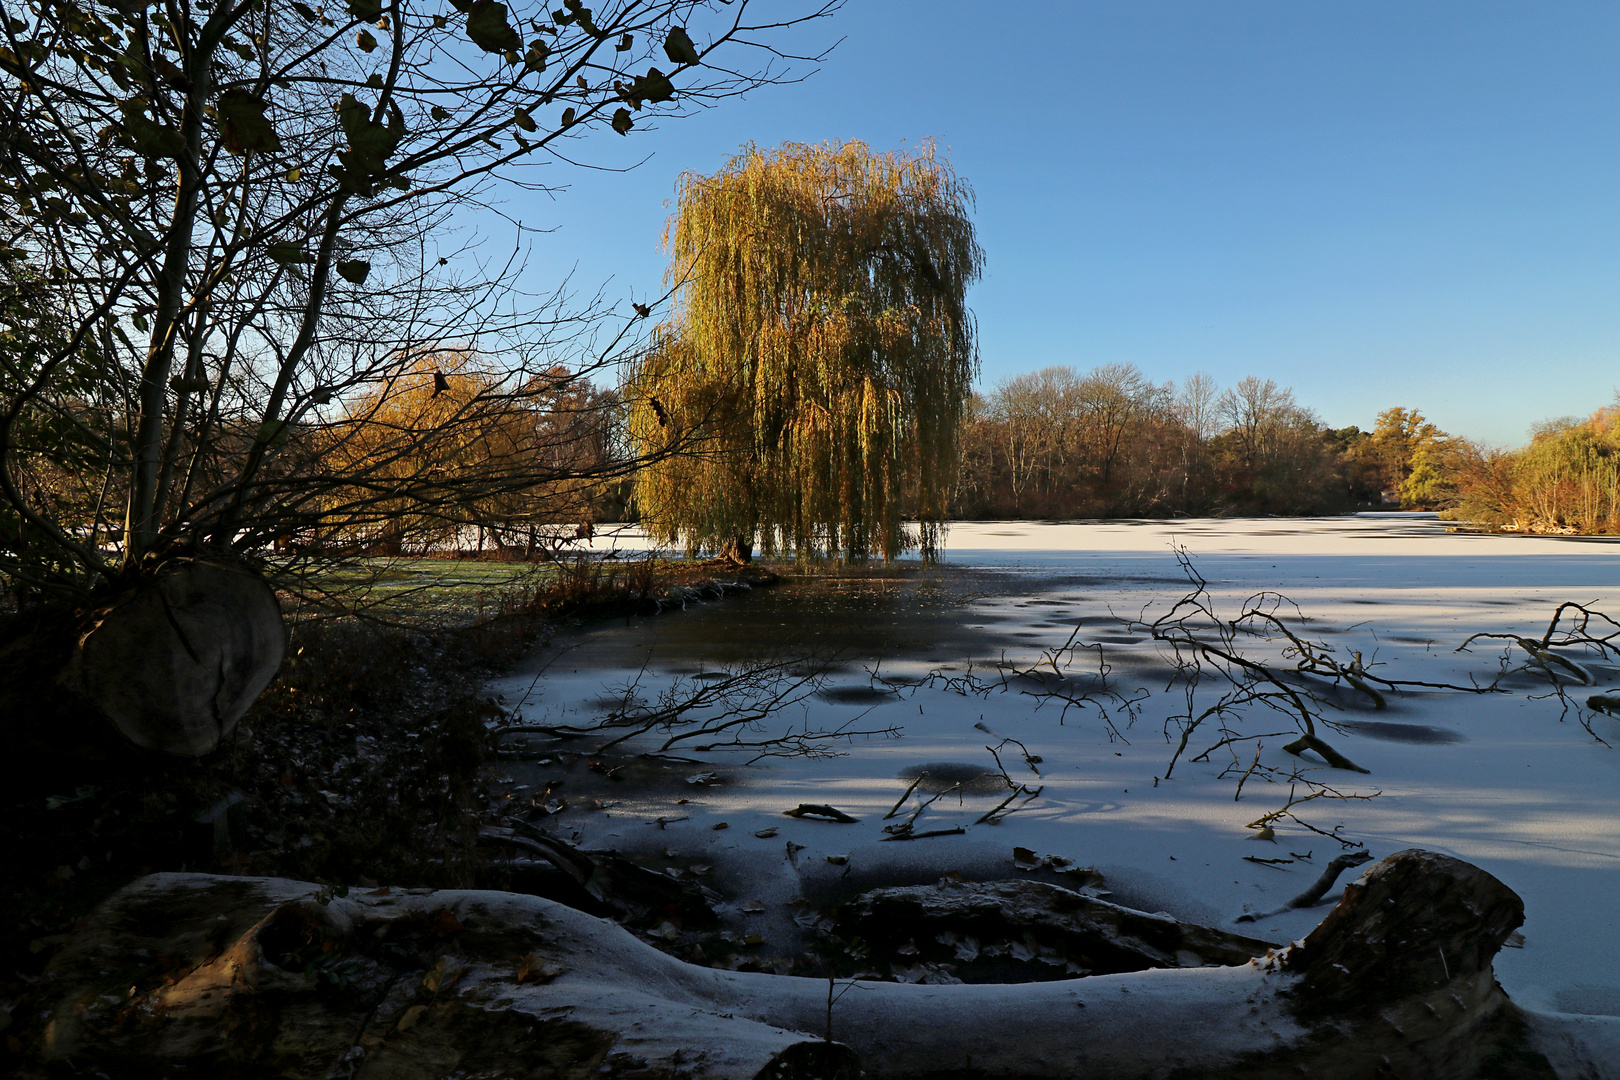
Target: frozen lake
[1510,781]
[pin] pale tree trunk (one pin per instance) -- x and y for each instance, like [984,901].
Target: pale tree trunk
[170,664]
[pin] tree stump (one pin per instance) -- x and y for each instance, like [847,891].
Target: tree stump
[192,975]
[170,663]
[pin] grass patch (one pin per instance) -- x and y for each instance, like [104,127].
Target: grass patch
[416,592]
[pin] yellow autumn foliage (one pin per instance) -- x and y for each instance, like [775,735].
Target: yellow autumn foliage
[818,357]
[448,441]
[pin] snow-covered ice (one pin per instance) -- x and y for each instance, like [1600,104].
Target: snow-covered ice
[1500,780]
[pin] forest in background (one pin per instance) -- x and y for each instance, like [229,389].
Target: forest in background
[1109,442]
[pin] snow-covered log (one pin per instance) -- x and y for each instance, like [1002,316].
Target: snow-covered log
[186,974]
[1022,931]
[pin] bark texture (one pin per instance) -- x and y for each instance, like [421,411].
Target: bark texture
[1025,931]
[191,975]
[173,663]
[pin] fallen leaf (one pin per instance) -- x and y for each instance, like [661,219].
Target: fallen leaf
[536,968]
[442,976]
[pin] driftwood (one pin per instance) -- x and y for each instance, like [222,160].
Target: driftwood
[193,975]
[170,663]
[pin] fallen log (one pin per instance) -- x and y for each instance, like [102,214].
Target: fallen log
[1023,931]
[186,974]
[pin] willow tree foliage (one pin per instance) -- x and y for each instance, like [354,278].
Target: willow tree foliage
[819,354]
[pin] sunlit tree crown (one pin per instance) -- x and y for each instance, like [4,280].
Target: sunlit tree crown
[819,355]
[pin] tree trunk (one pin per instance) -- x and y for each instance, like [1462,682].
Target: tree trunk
[170,664]
[739,549]
[192,975]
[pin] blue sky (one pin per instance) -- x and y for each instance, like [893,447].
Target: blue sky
[1377,203]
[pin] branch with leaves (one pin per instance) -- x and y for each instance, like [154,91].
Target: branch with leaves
[240,216]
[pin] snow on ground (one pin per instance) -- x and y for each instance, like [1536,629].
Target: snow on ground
[1497,779]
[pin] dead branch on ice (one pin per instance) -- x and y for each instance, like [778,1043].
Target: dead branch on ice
[1319,887]
[1575,627]
[1051,679]
[1330,874]
[723,710]
[231,976]
[1205,645]
[1314,791]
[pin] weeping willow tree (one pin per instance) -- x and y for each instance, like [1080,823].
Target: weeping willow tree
[818,357]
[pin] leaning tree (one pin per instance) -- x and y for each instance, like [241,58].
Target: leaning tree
[225,237]
[819,355]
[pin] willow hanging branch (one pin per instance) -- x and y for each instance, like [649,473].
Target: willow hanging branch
[819,354]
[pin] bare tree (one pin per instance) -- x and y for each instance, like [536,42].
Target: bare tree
[1196,405]
[232,209]
[1255,411]
[229,219]
[1111,399]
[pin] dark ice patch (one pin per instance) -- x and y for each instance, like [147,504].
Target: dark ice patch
[943,775]
[1401,733]
[856,695]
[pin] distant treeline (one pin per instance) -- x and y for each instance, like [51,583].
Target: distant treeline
[1060,443]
